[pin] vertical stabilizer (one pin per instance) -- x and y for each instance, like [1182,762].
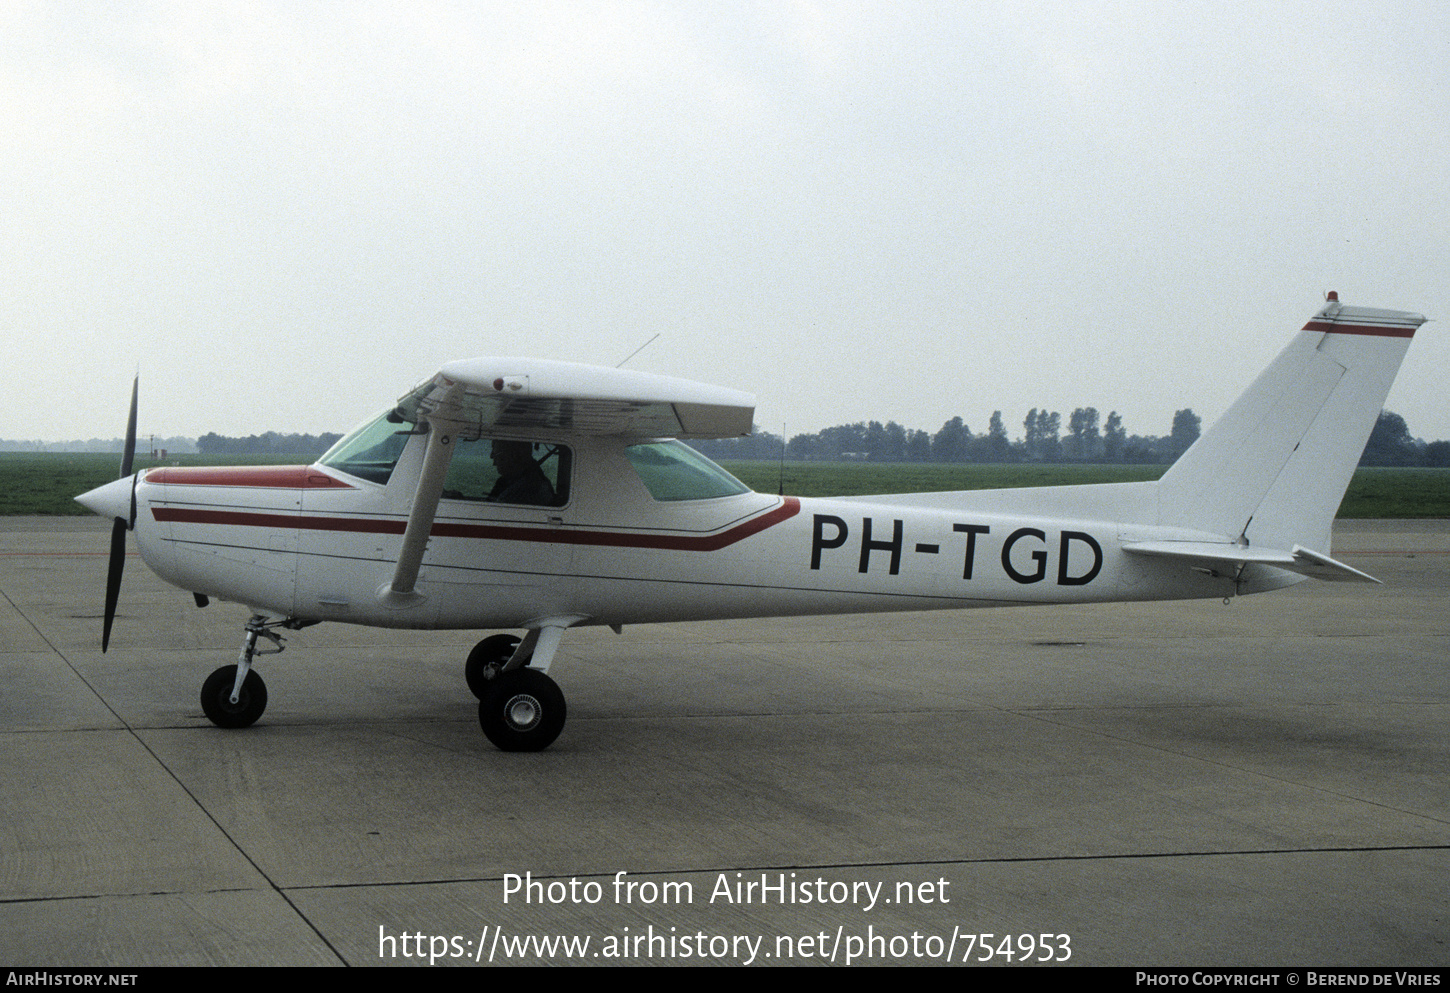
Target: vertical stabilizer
[1274,468]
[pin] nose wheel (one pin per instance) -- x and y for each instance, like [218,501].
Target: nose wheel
[234,696]
[217,703]
[522,710]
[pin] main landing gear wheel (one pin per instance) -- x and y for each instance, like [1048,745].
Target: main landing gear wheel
[490,653]
[522,711]
[216,698]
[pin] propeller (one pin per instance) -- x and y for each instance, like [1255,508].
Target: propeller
[122,524]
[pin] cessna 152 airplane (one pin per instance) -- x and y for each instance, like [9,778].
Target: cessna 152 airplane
[539,496]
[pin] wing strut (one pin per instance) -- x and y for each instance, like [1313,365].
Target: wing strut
[400,593]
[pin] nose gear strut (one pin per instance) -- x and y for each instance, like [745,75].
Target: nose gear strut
[234,696]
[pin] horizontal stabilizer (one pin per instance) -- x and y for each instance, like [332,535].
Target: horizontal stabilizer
[1227,558]
[1317,566]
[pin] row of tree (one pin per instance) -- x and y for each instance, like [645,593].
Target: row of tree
[269,443]
[1042,440]
[175,445]
[1087,439]
[1390,443]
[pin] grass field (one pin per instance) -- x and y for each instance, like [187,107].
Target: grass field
[47,482]
[860,478]
[1372,492]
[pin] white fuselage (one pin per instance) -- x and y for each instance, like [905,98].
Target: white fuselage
[317,544]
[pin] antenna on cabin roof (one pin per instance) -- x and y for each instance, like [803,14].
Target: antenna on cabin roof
[636,351]
[782,457]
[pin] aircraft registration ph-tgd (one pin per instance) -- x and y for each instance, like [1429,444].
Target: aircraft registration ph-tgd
[532,495]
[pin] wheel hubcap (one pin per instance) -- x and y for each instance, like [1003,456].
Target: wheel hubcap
[522,712]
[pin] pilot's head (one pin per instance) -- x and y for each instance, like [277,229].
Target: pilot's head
[511,458]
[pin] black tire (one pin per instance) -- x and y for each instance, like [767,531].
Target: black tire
[216,698]
[523,711]
[491,651]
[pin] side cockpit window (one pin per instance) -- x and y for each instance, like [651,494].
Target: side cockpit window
[372,451]
[500,470]
[526,473]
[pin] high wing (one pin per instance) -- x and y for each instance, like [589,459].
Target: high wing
[476,397]
[483,395]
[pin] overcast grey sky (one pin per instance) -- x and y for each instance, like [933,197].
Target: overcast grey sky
[288,213]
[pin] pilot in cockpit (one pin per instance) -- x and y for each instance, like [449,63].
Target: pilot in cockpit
[520,480]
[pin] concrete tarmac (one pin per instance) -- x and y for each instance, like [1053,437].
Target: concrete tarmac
[1259,783]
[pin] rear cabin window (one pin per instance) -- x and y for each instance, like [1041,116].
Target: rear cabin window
[672,470]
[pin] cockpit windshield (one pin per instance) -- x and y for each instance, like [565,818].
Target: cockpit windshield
[372,450]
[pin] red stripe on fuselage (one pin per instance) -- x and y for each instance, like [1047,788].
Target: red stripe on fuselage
[287,477]
[495,532]
[1330,327]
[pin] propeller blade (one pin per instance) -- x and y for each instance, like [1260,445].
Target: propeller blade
[129,455]
[113,578]
[117,562]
